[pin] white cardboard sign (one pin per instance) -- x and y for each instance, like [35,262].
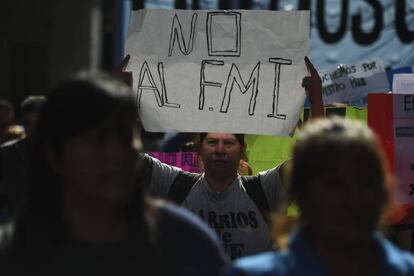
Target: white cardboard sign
[234,71]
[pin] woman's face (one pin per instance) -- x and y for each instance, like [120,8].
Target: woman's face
[98,165]
[221,154]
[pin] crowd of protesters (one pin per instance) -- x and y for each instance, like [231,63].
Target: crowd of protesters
[88,200]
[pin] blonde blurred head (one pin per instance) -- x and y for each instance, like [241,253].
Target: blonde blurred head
[339,180]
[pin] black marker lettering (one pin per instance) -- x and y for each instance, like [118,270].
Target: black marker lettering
[235,77]
[204,83]
[177,32]
[278,63]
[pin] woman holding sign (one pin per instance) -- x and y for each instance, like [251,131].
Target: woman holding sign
[235,207]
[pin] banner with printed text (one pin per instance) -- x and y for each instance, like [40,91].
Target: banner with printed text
[392,118]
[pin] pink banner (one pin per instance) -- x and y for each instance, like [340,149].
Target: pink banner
[187,161]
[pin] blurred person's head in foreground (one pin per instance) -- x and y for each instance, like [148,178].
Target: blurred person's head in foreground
[86,147]
[339,179]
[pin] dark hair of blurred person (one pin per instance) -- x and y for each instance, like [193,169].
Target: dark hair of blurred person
[6,117]
[30,111]
[85,213]
[340,181]
[16,154]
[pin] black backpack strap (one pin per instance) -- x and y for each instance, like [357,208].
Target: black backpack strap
[255,191]
[182,185]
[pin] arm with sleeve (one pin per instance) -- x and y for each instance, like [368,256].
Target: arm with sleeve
[273,188]
[161,176]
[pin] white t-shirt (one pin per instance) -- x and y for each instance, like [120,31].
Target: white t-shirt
[232,214]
